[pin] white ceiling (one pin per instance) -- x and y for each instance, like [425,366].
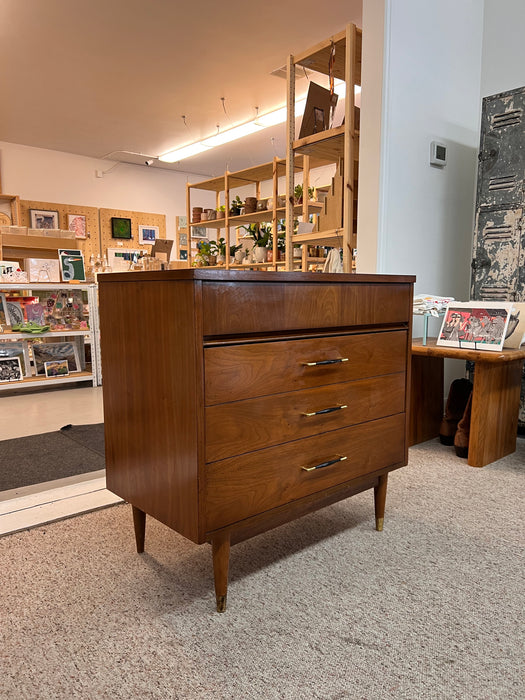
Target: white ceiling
[101,77]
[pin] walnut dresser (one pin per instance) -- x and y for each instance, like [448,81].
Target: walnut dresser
[236,401]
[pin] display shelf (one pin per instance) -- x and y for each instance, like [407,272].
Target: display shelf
[90,335]
[258,216]
[332,238]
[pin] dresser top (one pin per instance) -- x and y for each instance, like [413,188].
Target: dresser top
[222,275]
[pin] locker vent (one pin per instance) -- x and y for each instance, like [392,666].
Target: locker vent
[497,233]
[510,118]
[496,293]
[505,182]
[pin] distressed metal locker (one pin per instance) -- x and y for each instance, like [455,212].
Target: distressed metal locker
[498,258]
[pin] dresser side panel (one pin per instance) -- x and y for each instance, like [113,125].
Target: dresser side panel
[152,396]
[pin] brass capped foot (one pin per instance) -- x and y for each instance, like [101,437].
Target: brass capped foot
[379,524]
[221,603]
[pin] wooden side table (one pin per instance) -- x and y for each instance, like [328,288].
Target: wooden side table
[495,398]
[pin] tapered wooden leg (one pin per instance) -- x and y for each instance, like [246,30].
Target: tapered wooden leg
[379,501]
[220,547]
[139,523]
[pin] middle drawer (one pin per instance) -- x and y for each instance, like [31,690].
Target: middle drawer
[243,426]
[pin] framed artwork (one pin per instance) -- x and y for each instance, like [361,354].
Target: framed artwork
[4,318]
[56,368]
[317,112]
[181,223]
[43,218]
[475,325]
[13,349]
[77,223]
[10,369]
[15,313]
[72,265]
[183,254]
[148,234]
[120,227]
[45,353]
[198,232]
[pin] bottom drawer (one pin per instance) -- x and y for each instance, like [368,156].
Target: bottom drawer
[243,486]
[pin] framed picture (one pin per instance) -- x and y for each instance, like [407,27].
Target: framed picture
[120,228]
[475,325]
[4,318]
[10,369]
[71,265]
[148,234]
[15,313]
[12,349]
[183,254]
[181,223]
[77,223]
[53,352]
[56,368]
[198,232]
[43,218]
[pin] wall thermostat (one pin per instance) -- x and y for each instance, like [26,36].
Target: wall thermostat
[438,153]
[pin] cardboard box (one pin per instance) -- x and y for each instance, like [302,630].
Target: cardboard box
[42,269]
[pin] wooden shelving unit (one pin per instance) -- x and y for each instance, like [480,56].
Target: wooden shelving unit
[338,145]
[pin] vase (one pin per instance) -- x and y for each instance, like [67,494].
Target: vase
[259,254]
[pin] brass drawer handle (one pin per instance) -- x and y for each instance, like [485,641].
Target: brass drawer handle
[325,410]
[325,362]
[324,464]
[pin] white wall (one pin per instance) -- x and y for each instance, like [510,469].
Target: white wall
[53,176]
[503,65]
[431,87]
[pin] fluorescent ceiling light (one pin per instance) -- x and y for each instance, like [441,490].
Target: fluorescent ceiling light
[185,152]
[231,134]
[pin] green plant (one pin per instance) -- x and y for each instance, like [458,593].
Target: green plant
[221,208]
[260,233]
[236,205]
[220,246]
[234,249]
[298,192]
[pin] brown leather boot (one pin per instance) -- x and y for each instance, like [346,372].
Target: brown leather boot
[458,396]
[463,432]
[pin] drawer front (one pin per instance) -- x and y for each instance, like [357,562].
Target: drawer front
[238,488]
[244,426]
[229,308]
[234,372]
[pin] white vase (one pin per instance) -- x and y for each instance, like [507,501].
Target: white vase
[259,254]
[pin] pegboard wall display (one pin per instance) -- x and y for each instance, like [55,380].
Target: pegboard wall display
[89,245]
[138,218]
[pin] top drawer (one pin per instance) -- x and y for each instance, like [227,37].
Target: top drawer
[232,309]
[234,372]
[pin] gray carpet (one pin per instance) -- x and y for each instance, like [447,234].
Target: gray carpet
[72,450]
[324,607]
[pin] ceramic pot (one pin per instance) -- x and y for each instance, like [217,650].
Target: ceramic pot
[259,254]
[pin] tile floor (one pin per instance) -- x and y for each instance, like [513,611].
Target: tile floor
[41,412]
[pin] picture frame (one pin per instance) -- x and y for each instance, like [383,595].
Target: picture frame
[121,228]
[148,234]
[10,369]
[4,318]
[53,352]
[317,112]
[162,247]
[71,265]
[18,348]
[198,232]
[44,218]
[15,312]
[181,224]
[56,368]
[475,325]
[77,223]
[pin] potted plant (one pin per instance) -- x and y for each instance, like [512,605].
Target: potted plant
[221,212]
[220,246]
[298,194]
[261,235]
[204,254]
[236,205]
[237,253]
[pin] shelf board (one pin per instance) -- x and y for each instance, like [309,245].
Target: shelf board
[332,238]
[49,334]
[326,146]
[317,58]
[45,286]
[47,381]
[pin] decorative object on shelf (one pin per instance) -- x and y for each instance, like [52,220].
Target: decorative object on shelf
[162,248]
[181,223]
[77,223]
[236,206]
[198,232]
[17,349]
[250,205]
[262,204]
[148,234]
[221,212]
[44,219]
[121,227]
[10,369]
[72,265]
[56,368]
[4,318]
[55,352]
[196,215]
[475,325]
[42,270]
[298,194]
[319,104]
[15,313]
